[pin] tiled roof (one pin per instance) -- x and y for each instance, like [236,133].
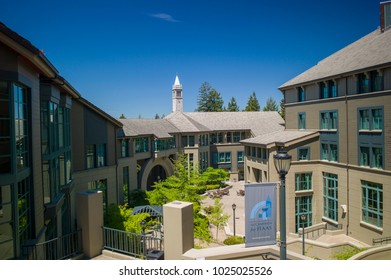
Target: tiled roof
[257,122]
[284,137]
[370,51]
[184,123]
[161,128]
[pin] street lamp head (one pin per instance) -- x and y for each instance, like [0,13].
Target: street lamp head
[282,162]
[234,206]
[303,217]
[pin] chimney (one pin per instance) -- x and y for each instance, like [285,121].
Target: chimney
[385,15]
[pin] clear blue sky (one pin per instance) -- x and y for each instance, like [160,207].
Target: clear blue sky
[123,55]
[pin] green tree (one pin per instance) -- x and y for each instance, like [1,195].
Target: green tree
[216,216]
[122,116]
[120,217]
[232,105]
[157,116]
[252,104]
[209,100]
[271,105]
[282,108]
[186,185]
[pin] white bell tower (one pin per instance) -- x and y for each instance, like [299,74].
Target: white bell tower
[177,99]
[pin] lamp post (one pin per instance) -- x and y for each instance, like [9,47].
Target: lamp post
[143,224]
[282,162]
[303,219]
[233,209]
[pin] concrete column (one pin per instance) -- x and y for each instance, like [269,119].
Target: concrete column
[89,213]
[178,229]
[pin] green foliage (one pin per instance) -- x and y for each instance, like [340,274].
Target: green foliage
[347,252]
[122,116]
[271,105]
[282,108]
[252,104]
[186,185]
[213,176]
[232,105]
[137,198]
[216,216]
[233,240]
[120,217]
[209,100]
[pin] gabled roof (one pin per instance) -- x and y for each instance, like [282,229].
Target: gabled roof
[152,210]
[185,124]
[161,128]
[284,138]
[257,122]
[373,50]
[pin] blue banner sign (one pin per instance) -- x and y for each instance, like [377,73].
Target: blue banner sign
[260,214]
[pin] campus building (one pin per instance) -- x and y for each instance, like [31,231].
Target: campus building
[338,133]
[53,144]
[148,146]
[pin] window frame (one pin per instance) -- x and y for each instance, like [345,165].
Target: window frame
[374,209]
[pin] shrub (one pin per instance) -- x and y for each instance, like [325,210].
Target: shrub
[233,240]
[346,253]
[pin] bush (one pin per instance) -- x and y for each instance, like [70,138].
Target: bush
[347,252]
[233,240]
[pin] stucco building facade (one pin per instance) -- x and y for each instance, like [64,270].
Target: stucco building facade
[338,133]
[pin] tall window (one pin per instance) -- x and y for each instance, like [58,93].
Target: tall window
[96,155]
[101,155]
[363,83]
[372,203]
[124,148]
[324,151]
[303,207]
[220,138]
[240,156]
[302,121]
[377,154]
[324,90]
[24,210]
[21,126]
[303,181]
[301,94]
[376,81]
[364,156]
[142,144]
[330,196]
[329,120]
[236,136]
[91,156]
[5,129]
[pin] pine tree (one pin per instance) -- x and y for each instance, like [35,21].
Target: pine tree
[209,100]
[282,108]
[252,104]
[271,105]
[157,116]
[232,105]
[122,116]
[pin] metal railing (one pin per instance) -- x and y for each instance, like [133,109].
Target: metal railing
[381,241]
[133,244]
[59,248]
